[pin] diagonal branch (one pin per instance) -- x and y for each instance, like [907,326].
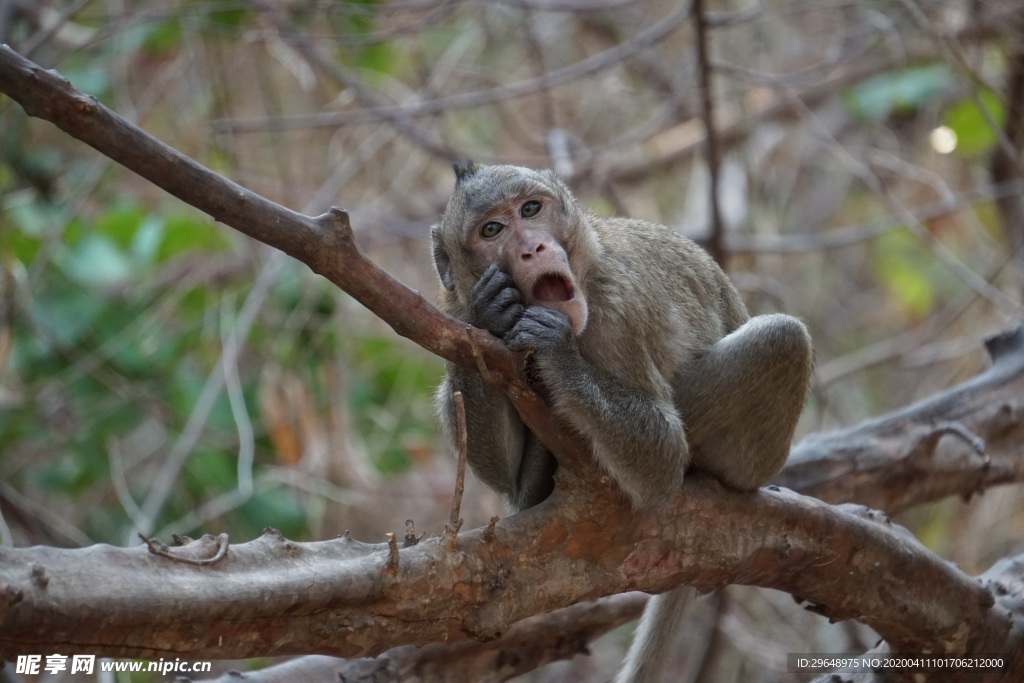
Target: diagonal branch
[959,442]
[324,243]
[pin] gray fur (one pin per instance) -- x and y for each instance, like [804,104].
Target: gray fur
[668,370]
[656,636]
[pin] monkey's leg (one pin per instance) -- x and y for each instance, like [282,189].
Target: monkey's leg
[741,400]
[536,474]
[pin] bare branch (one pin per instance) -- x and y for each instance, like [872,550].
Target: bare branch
[272,596]
[454,520]
[303,46]
[919,454]
[650,155]
[595,63]
[1006,164]
[528,645]
[716,235]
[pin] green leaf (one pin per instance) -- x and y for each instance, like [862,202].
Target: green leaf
[975,134]
[211,472]
[905,269]
[898,92]
[163,38]
[31,217]
[379,58]
[187,232]
[120,224]
[279,509]
[60,474]
[97,261]
[68,316]
[147,240]
[233,15]
[90,78]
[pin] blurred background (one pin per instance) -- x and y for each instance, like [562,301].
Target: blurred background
[161,373]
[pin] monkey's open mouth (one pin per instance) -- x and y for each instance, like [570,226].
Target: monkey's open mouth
[553,287]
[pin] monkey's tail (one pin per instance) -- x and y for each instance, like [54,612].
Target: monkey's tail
[658,632]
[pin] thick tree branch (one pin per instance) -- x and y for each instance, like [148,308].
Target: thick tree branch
[528,645]
[1005,573]
[959,442]
[273,596]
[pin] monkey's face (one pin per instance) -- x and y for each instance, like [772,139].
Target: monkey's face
[517,218]
[526,235]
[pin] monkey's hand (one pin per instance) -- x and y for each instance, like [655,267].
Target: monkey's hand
[543,331]
[548,335]
[496,303]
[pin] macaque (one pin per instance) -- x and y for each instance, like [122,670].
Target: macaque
[637,340]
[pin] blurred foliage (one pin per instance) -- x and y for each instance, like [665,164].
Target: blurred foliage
[99,352]
[908,272]
[899,92]
[975,120]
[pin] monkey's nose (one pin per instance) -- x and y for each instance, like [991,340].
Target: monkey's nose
[528,254]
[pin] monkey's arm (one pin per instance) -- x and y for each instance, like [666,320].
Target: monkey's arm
[503,453]
[636,437]
[493,429]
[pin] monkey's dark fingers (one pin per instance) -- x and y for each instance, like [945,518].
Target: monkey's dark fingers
[499,319]
[549,318]
[490,283]
[496,303]
[540,329]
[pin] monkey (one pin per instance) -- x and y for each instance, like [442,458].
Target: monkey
[637,340]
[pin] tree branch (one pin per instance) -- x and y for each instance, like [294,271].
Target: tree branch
[528,645]
[272,596]
[959,442]
[716,229]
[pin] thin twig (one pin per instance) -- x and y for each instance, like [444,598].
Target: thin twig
[1006,165]
[854,234]
[391,566]
[715,242]
[642,40]
[345,78]
[867,176]
[454,520]
[160,549]
[481,363]
[489,531]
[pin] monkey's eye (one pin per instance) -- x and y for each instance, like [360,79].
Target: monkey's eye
[529,209]
[491,230]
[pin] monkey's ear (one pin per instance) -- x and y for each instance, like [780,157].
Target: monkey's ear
[442,262]
[464,170]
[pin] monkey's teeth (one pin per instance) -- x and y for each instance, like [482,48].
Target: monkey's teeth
[553,288]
